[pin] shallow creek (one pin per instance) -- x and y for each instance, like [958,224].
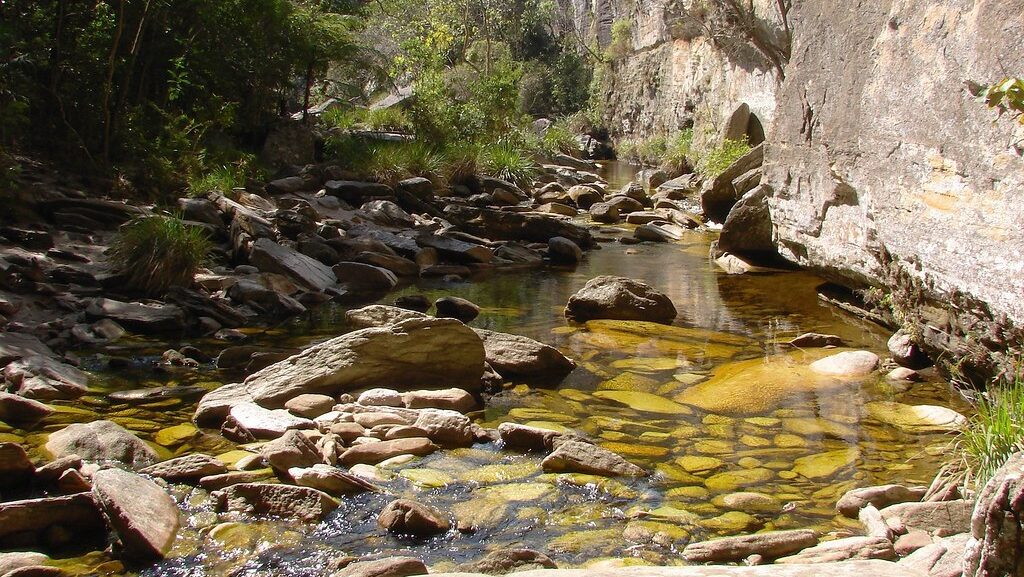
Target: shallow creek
[765,426]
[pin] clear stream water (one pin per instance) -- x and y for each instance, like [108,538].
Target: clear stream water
[800,449]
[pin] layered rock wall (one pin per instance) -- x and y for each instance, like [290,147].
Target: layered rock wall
[886,171]
[682,67]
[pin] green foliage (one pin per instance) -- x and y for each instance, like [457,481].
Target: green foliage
[158,252]
[341,118]
[1006,96]
[622,40]
[646,152]
[995,432]
[508,161]
[559,139]
[677,160]
[392,119]
[716,160]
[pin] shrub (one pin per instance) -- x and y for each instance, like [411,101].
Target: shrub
[649,152]
[716,160]
[559,138]
[677,153]
[341,118]
[622,40]
[461,162]
[158,252]
[508,161]
[995,432]
[387,120]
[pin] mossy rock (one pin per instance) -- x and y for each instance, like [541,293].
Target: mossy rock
[635,449]
[826,465]
[645,402]
[674,514]
[732,480]
[713,447]
[649,364]
[916,418]
[516,491]
[752,441]
[788,441]
[606,485]
[693,492]
[780,380]
[501,473]
[176,435]
[699,464]
[535,414]
[674,532]
[748,502]
[811,427]
[628,382]
[481,513]
[549,425]
[595,541]
[731,522]
[574,395]
[670,332]
[427,478]
[677,474]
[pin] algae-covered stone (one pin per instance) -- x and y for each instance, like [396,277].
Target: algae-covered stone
[698,464]
[176,435]
[517,491]
[649,364]
[826,465]
[427,478]
[645,402]
[732,480]
[590,541]
[500,472]
[788,441]
[916,418]
[605,485]
[628,382]
[817,427]
[692,493]
[778,381]
[731,522]
[480,513]
[635,449]
[713,447]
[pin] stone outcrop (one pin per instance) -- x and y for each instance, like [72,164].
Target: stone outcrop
[873,174]
[101,441]
[994,547]
[142,514]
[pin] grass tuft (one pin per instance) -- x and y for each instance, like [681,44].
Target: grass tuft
[158,252]
[716,160]
[995,432]
[507,161]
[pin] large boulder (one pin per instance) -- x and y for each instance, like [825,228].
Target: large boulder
[844,549]
[521,357]
[142,514]
[45,378]
[265,423]
[748,228]
[854,500]
[291,450]
[994,548]
[949,517]
[18,409]
[309,273]
[613,297]
[101,441]
[721,193]
[380,315]
[414,353]
[530,227]
[373,453]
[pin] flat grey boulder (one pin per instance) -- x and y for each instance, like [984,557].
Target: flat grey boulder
[285,501]
[844,549]
[843,569]
[267,423]
[621,298]
[101,441]
[143,515]
[309,273]
[770,545]
[188,468]
[138,317]
[380,315]
[415,353]
[521,357]
[578,457]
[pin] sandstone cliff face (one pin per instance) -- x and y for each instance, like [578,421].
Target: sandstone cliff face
[683,69]
[885,171]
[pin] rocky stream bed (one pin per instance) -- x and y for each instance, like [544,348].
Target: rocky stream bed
[556,417]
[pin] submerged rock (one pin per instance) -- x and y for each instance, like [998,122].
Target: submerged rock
[611,297]
[916,418]
[390,567]
[847,364]
[143,515]
[505,561]
[826,465]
